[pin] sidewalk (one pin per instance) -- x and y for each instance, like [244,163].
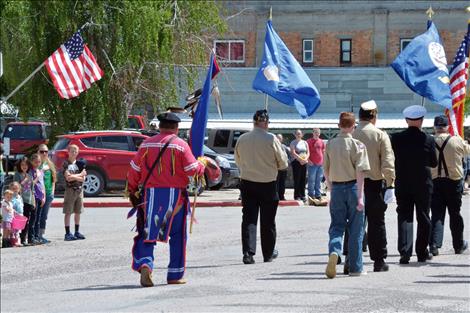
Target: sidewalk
[209,198]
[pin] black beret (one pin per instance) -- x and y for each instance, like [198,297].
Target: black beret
[261,116]
[441,121]
[169,117]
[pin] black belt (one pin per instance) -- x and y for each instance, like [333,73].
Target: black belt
[343,182]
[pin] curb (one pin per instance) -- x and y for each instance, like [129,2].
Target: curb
[201,204]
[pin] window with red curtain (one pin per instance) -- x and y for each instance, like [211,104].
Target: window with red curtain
[230,51]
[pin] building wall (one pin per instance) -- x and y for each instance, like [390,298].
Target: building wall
[341,89]
[375,27]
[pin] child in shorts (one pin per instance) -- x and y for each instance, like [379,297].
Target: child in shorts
[7,214]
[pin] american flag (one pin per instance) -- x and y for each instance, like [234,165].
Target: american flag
[73,68]
[458,86]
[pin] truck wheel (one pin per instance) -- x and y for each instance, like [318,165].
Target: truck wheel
[94,183]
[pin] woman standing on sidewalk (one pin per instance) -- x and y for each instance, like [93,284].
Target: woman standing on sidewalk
[300,154]
[50,178]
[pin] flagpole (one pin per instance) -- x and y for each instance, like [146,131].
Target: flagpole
[422,101]
[266,103]
[23,82]
[34,72]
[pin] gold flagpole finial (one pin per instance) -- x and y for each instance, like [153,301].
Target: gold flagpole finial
[430,12]
[271,13]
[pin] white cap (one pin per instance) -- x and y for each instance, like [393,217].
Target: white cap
[414,112]
[369,105]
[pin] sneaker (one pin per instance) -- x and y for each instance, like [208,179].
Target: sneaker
[146,277]
[463,248]
[69,237]
[346,268]
[331,267]
[79,236]
[434,251]
[356,274]
[44,240]
[311,200]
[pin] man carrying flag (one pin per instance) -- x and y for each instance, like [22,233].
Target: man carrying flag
[282,77]
[161,166]
[458,87]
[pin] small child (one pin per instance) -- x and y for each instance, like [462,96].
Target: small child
[74,174]
[18,207]
[7,213]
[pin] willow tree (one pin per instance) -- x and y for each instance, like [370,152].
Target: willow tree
[144,48]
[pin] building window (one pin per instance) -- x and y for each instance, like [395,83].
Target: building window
[230,51]
[307,50]
[404,42]
[346,47]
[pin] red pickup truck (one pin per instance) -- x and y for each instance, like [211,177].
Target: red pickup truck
[25,137]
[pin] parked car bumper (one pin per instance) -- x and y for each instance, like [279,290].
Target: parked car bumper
[230,177]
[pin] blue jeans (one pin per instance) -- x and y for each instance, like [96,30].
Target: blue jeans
[42,214]
[315,175]
[344,215]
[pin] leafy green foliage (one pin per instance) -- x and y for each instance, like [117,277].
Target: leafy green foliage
[152,45]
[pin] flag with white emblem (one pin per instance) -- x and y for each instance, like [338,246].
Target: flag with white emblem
[73,68]
[422,65]
[282,77]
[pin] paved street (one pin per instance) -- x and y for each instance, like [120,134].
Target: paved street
[94,275]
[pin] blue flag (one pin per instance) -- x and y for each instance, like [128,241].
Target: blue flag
[422,65]
[282,77]
[198,126]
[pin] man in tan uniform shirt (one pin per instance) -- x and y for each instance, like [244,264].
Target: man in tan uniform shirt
[379,178]
[259,155]
[345,162]
[448,187]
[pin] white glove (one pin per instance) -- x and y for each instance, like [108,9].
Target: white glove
[389,196]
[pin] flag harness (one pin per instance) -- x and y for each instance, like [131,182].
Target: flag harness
[441,159]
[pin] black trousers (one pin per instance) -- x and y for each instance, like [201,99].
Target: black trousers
[299,172]
[30,213]
[447,193]
[375,213]
[281,184]
[407,200]
[263,198]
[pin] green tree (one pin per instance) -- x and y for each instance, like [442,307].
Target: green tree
[144,47]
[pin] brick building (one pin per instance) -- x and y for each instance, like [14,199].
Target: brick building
[345,47]
[338,33]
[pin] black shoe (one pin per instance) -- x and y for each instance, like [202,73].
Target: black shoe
[380,266]
[463,248]
[346,268]
[364,248]
[424,258]
[434,251]
[339,260]
[405,259]
[275,255]
[248,259]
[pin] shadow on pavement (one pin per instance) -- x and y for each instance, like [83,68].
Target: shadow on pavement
[109,287]
[443,282]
